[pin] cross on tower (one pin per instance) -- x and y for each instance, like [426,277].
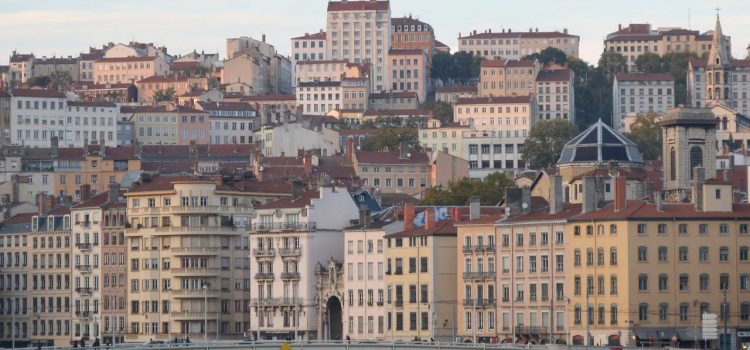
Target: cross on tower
[717,11]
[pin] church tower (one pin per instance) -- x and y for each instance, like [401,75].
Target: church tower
[689,141]
[717,68]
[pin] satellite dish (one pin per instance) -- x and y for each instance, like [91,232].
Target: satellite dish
[524,205]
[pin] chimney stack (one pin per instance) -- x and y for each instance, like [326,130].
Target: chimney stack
[525,200]
[54,145]
[114,192]
[513,199]
[589,194]
[456,214]
[657,201]
[475,208]
[409,214]
[41,202]
[85,192]
[621,197]
[699,176]
[429,218]
[555,194]
[364,217]
[307,162]
[50,202]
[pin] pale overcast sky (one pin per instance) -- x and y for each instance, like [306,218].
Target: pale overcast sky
[53,27]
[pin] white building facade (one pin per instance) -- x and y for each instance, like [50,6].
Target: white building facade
[640,93]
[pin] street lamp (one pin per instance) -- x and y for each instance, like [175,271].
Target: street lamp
[205,313]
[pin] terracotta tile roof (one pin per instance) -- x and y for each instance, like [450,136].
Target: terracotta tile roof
[738,63]
[299,202]
[21,57]
[91,104]
[323,62]
[314,36]
[144,109]
[394,94]
[184,65]
[165,79]
[569,210]
[90,56]
[554,75]
[493,100]
[644,77]
[502,62]
[635,28]
[456,88]
[84,86]
[642,210]
[401,52]
[99,200]
[290,97]
[273,187]
[406,21]
[163,183]
[20,218]
[366,5]
[520,35]
[38,92]
[226,106]
[717,181]
[176,167]
[440,44]
[442,228]
[391,157]
[119,153]
[126,59]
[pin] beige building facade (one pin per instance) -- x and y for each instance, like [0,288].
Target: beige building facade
[510,44]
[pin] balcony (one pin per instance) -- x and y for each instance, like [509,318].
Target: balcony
[489,248]
[83,268]
[84,291]
[195,293]
[283,226]
[170,230]
[189,315]
[194,250]
[290,276]
[195,271]
[276,301]
[479,276]
[379,303]
[486,303]
[83,246]
[468,249]
[469,302]
[264,276]
[488,275]
[290,252]
[399,303]
[479,249]
[532,330]
[264,253]
[83,314]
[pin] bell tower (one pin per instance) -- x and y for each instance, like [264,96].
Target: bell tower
[717,68]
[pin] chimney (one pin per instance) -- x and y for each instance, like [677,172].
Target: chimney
[409,215]
[657,201]
[85,192]
[16,191]
[589,194]
[429,218]
[525,200]
[54,144]
[474,208]
[513,199]
[456,214]
[307,162]
[555,194]
[364,217]
[297,188]
[50,202]
[621,197]
[263,38]
[41,202]
[619,26]
[113,193]
[699,176]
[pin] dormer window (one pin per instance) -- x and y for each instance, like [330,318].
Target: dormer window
[35,223]
[50,223]
[66,222]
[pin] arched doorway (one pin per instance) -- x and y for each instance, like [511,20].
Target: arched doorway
[335,323]
[578,340]
[614,340]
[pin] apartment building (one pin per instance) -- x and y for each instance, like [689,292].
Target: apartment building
[720,79]
[639,94]
[276,140]
[410,33]
[446,137]
[16,300]
[332,84]
[229,122]
[644,272]
[169,124]
[289,238]
[180,84]
[506,77]
[21,67]
[4,117]
[364,267]
[512,115]
[359,32]
[555,94]
[125,70]
[420,278]
[272,106]
[188,259]
[409,71]
[490,151]
[45,66]
[451,94]
[95,166]
[402,171]
[307,47]
[516,45]
[98,274]
[86,64]
[257,64]
[639,38]
[91,121]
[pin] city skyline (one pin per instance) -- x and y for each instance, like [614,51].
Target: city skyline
[230,18]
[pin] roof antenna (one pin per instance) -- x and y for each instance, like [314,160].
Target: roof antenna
[688,18]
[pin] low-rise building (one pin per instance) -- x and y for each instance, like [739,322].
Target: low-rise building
[288,138]
[400,171]
[21,68]
[404,100]
[180,85]
[411,33]
[640,93]
[506,77]
[408,69]
[515,45]
[124,70]
[446,137]
[307,47]
[169,124]
[555,94]
[229,122]
[45,66]
[451,94]
[514,116]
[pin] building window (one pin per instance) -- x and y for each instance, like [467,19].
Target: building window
[662,254]
[642,253]
[724,254]
[643,312]
[643,282]
[703,254]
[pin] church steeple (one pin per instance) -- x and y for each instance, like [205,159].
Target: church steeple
[718,55]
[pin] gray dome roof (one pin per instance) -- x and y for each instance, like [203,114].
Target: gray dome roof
[599,144]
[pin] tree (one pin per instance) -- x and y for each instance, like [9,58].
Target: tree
[40,81]
[442,66]
[460,67]
[650,62]
[677,64]
[441,110]
[490,191]
[593,93]
[548,55]
[646,134]
[545,142]
[390,138]
[60,79]
[164,95]
[612,63]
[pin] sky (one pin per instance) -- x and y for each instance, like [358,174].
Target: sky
[53,27]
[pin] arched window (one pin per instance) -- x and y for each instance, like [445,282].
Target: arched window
[726,93]
[724,123]
[612,229]
[672,164]
[717,93]
[696,158]
[710,94]
[717,76]
[710,78]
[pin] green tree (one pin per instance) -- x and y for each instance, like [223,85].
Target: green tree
[545,142]
[490,191]
[164,95]
[593,93]
[549,55]
[40,81]
[677,64]
[442,66]
[441,110]
[459,67]
[611,63]
[60,79]
[650,62]
[646,134]
[390,138]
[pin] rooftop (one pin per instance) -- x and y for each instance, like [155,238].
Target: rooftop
[38,93]
[365,5]
[493,100]
[600,144]
[644,77]
[392,157]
